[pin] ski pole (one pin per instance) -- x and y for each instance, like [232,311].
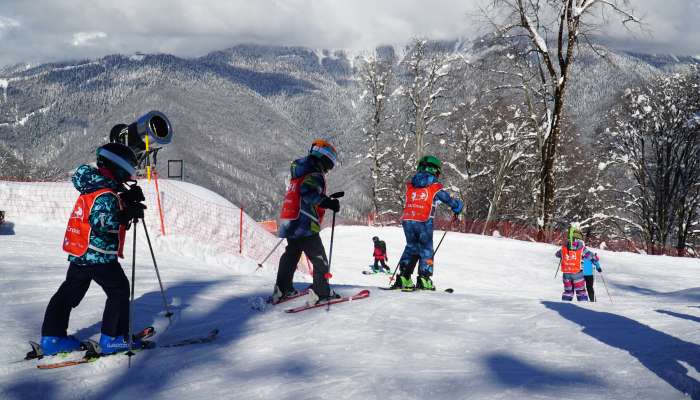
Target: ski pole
[557,272]
[330,252]
[445,234]
[260,264]
[168,313]
[335,195]
[606,287]
[391,279]
[131,299]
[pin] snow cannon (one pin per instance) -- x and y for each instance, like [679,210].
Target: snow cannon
[142,136]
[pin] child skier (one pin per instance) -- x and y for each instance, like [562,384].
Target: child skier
[380,255]
[423,193]
[301,217]
[588,264]
[94,239]
[572,255]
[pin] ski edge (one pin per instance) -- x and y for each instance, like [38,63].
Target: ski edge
[93,347]
[362,294]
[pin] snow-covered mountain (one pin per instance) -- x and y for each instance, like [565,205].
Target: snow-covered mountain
[503,334]
[239,115]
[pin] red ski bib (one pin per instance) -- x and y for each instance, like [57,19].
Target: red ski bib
[291,206]
[571,260]
[419,202]
[378,254]
[77,239]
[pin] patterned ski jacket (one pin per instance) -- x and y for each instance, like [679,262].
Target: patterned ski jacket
[103,217]
[312,191]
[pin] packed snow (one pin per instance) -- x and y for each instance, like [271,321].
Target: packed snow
[503,333]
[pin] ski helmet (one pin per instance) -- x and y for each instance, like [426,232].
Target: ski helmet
[117,158]
[375,239]
[430,164]
[325,152]
[574,232]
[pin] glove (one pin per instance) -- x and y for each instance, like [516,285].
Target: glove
[329,203]
[458,208]
[130,212]
[598,269]
[133,195]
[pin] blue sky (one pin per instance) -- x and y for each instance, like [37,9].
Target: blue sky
[50,30]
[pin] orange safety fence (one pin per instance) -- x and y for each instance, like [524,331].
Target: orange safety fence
[184,212]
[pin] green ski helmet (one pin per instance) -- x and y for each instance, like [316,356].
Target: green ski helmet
[430,164]
[573,233]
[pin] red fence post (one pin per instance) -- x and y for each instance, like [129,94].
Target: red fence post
[160,208]
[240,234]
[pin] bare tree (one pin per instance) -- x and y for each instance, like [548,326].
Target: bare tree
[426,71]
[655,138]
[376,75]
[570,20]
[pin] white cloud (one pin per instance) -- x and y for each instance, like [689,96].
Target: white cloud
[7,24]
[45,30]
[87,38]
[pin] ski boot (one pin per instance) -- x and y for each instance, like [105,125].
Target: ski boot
[278,295]
[312,298]
[403,283]
[51,345]
[425,283]
[115,344]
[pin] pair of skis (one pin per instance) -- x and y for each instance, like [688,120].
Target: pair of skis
[93,351]
[376,272]
[448,290]
[362,294]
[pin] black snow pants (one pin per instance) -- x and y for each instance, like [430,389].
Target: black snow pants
[589,287]
[111,277]
[376,263]
[312,246]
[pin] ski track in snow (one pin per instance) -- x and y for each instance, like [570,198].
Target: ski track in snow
[503,334]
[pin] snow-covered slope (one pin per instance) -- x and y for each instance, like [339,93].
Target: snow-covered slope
[503,334]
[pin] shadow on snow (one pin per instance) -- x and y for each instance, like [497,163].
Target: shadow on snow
[230,316]
[510,371]
[679,315]
[659,352]
[691,294]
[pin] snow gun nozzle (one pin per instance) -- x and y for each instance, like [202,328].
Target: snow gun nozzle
[337,195]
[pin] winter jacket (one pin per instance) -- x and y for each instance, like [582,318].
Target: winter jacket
[312,191]
[104,222]
[380,250]
[587,255]
[424,179]
[590,263]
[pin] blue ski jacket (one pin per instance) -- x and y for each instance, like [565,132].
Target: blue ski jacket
[312,191]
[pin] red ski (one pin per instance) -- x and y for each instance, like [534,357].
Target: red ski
[300,293]
[362,294]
